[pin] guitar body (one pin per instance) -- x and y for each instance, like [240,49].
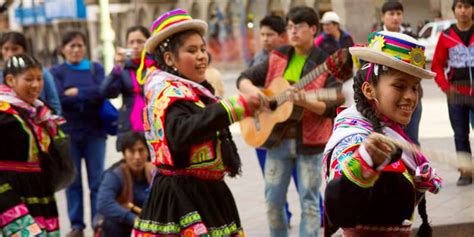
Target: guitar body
[266,129]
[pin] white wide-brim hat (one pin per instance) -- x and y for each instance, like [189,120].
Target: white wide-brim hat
[395,50]
[171,23]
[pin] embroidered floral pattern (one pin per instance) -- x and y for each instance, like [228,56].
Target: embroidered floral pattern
[190,225]
[235,108]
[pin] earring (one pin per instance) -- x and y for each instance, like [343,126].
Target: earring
[175,69]
[376,101]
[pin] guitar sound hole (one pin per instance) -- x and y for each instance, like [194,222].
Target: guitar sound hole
[272,104]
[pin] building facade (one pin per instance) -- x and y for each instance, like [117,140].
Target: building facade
[233,24]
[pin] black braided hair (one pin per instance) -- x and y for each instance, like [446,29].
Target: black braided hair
[363,105]
[230,157]
[425,229]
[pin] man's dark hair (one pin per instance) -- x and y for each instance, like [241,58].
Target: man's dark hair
[276,23]
[392,5]
[465,2]
[300,14]
[130,139]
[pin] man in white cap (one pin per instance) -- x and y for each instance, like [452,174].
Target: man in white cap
[332,38]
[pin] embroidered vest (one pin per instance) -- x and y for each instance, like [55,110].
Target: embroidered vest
[316,129]
[160,92]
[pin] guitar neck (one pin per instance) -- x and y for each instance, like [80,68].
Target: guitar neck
[282,97]
[305,80]
[329,94]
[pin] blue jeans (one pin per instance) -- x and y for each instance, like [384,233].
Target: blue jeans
[460,116]
[92,149]
[413,127]
[280,162]
[261,155]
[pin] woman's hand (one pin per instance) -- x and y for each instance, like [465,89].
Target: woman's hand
[379,151]
[120,56]
[73,91]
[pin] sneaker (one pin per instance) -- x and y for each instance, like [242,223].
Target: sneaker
[75,233]
[464,180]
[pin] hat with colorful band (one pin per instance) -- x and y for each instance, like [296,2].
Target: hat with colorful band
[170,23]
[395,50]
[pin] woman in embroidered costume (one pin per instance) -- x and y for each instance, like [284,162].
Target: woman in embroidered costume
[373,186]
[27,126]
[186,128]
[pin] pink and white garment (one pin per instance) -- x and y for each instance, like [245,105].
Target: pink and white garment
[346,143]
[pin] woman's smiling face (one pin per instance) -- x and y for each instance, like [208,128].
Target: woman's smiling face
[192,59]
[397,95]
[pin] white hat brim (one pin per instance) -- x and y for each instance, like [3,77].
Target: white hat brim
[154,40]
[379,57]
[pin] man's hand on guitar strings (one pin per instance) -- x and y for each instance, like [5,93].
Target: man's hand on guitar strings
[253,102]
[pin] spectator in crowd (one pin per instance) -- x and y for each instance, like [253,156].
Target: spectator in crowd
[304,141]
[78,81]
[14,43]
[392,17]
[455,49]
[186,127]
[272,36]
[27,127]
[333,37]
[124,186]
[123,80]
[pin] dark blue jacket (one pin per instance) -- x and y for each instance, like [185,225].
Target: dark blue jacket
[81,111]
[118,220]
[330,45]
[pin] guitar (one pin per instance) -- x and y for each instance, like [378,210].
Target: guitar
[266,128]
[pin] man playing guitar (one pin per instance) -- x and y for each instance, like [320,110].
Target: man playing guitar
[303,141]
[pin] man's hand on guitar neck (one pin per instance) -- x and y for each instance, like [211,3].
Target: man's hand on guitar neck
[299,98]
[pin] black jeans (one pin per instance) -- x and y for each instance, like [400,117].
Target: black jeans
[460,116]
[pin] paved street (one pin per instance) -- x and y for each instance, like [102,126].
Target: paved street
[452,205]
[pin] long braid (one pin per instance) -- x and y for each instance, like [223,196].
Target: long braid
[363,105]
[425,229]
[230,157]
